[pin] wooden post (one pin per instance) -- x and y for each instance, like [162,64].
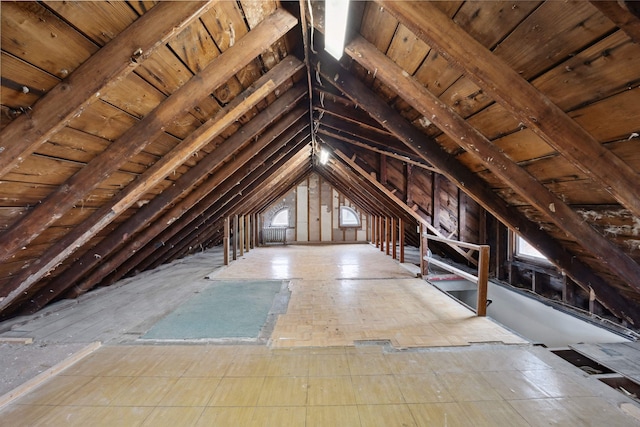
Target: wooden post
[394,237]
[225,241]
[401,239]
[483,279]
[235,238]
[254,229]
[381,235]
[247,233]
[424,247]
[241,235]
[387,234]
[374,233]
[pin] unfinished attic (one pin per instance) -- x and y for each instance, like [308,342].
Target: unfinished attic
[337,178]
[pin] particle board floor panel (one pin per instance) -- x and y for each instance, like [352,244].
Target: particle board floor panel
[623,358]
[343,294]
[357,361]
[372,385]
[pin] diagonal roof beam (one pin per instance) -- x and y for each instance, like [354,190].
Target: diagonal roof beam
[126,198]
[495,160]
[468,182]
[196,203]
[218,156]
[520,98]
[291,174]
[107,67]
[366,198]
[621,16]
[220,70]
[359,191]
[376,148]
[400,203]
[183,235]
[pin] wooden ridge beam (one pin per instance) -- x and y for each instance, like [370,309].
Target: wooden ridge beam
[194,205]
[522,99]
[110,65]
[144,215]
[341,130]
[220,70]
[478,146]
[468,182]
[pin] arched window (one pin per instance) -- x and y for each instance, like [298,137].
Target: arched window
[281,218]
[349,217]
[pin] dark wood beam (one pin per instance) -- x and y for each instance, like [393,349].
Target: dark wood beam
[467,181]
[478,146]
[194,206]
[626,15]
[220,70]
[192,234]
[522,99]
[409,158]
[82,233]
[380,186]
[107,67]
[224,152]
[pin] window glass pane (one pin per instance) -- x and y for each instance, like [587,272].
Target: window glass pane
[349,217]
[281,219]
[524,248]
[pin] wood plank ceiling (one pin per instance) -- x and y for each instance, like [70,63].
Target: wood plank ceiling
[130,130]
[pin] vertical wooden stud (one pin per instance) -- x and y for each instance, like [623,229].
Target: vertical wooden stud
[435,219]
[225,241]
[387,234]
[401,239]
[235,238]
[254,235]
[241,235]
[483,280]
[424,247]
[394,238]
[247,232]
[374,234]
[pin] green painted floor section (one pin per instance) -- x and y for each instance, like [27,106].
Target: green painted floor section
[229,309]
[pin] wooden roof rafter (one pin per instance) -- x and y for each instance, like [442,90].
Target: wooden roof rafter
[224,181]
[110,65]
[291,169]
[494,159]
[219,70]
[523,100]
[152,176]
[467,181]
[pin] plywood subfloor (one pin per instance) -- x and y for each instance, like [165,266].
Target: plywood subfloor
[343,294]
[349,294]
[347,386]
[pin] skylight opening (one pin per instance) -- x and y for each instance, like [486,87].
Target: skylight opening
[336,13]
